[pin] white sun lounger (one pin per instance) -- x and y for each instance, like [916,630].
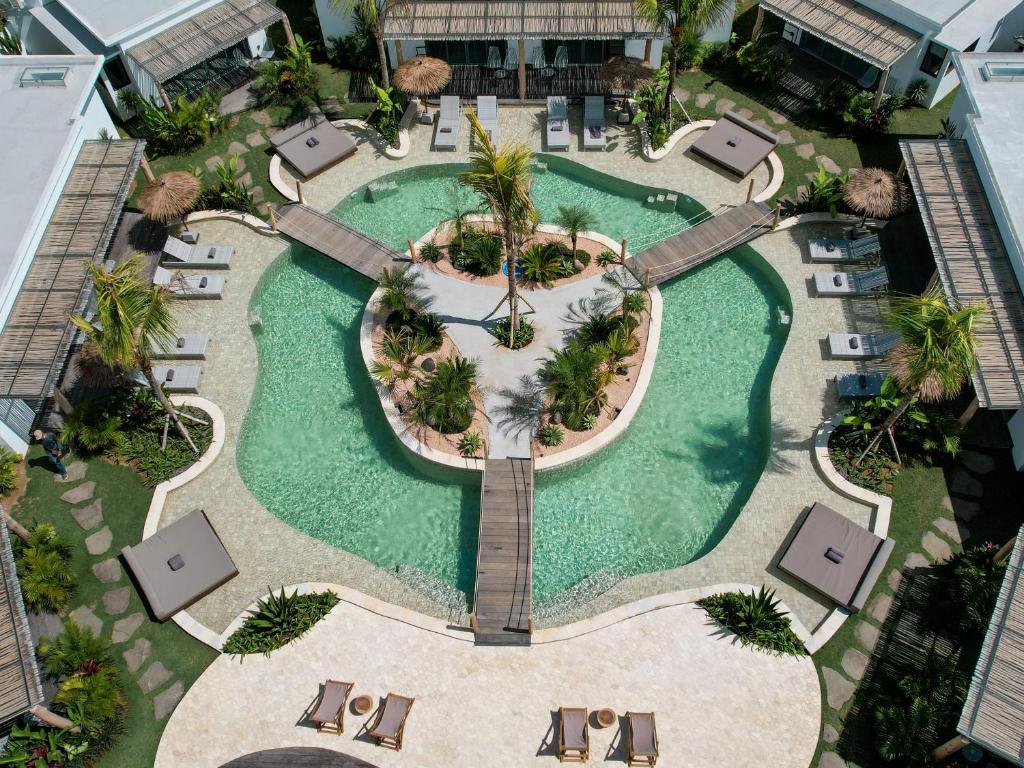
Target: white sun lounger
[850,385]
[174,378]
[850,283]
[179,253]
[827,249]
[558,123]
[187,346]
[449,123]
[861,344]
[191,287]
[487,114]
[593,123]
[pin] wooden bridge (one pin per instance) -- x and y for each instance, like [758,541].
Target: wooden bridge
[711,238]
[332,238]
[504,561]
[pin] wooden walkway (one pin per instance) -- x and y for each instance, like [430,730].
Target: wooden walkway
[701,243]
[504,562]
[332,238]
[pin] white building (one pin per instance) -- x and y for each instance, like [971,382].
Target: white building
[971,195]
[64,185]
[159,47]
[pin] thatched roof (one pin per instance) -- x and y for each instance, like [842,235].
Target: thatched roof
[422,75]
[621,73]
[170,196]
[876,193]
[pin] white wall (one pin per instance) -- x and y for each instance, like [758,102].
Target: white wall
[721,31]
[1011,26]
[11,441]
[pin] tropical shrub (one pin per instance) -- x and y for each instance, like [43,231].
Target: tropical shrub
[755,619]
[762,61]
[481,253]
[916,92]
[590,421]
[607,257]
[279,619]
[634,303]
[359,47]
[576,380]
[523,336]
[719,55]
[598,328]
[620,345]
[822,193]
[550,435]
[545,263]
[402,293]
[442,399]
[74,649]
[156,463]
[650,101]
[431,251]
[387,117]
[48,581]
[965,597]
[189,124]
[228,193]
[399,349]
[9,461]
[847,106]
[32,747]
[291,81]
[91,428]
[10,42]
[471,444]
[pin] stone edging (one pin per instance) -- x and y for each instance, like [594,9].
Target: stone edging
[654,155]
[239,217]
[288,192]
[776,175]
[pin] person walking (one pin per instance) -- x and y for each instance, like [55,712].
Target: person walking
[55,451]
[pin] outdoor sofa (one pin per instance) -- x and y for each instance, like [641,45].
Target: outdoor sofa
[180,253]
[736,144]
[558,123]
[449,123]
[851,283]
[830,249]
[594,134]
[861,344]
[573,735]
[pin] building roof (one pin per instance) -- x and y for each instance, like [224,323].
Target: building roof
[516,19]
[112,21]
[849,26]
[972,263]
[196,39]
[19,677]
[993,715]
[38,332]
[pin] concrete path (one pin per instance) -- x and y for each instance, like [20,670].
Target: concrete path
[717,703]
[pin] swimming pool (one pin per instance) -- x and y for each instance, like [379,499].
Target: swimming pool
[316,450]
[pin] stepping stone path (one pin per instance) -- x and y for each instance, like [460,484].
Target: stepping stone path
[262,117]
[681,94]
[724,105]
[164,703]
[916,560]
[880,606]
[967,510]
[830,165]
[245,180]
[84,617]
[867,635]
[831,760]
[80,493]
[255,139]
[154,677]
[953,531]
[136,656]
[115,602]
[829,734]
[76,472]
[213,162]
[785,137]
[745,113]
[107,571]
[99,542]
[125,628]
[801,191]
[963,483]
[838,689]
[895,577]
[89,517]
[257,194]
[982,463]
[237,148]
[854,663]
[805,151]
[703,99]
[776,118]
[936,547]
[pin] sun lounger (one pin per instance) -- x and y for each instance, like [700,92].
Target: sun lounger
[593,123]
[329,710]
[180,253]
[864,249]
[641,739]
[851,283]
[558,123]
[191,287]
[177,378]
[487,114]
[449,123]
[861,344]
[389,726]
[185,346]
[736,144]
[859,384]
[573,735]
[315,149]
[836,557]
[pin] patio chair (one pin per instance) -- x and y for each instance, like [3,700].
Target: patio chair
[511,59]
[329,709]
[493,57]
[192,287]
[174,378]
[843,345]
[593,123]
[389,726]
[178,252]
[561,57]
[487,114]
[558,123]
[850,385]
[573,735]
[851,283]
[641,739]
[449,123]
[827,249]
[185,346]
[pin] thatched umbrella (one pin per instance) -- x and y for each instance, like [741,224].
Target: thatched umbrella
[625,74]
[875,192]
[171,196]
[422,75]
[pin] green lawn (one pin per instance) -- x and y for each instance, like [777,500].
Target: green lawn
[125,503]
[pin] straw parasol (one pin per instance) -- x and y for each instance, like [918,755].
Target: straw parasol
[621,73]
[875,192]
[422,75]
[170,196]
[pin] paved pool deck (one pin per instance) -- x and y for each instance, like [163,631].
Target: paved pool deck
[269,552]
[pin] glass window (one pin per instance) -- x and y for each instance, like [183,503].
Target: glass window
[933,58]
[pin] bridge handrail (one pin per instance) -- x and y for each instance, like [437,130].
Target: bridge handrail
[715,248]
[341,225]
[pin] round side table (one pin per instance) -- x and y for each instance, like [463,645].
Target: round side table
[362,704]
[606,717]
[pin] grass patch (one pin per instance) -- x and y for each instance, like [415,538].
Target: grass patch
[125,503]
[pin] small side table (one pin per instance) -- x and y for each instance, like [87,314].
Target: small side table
[605,717]
[362,704]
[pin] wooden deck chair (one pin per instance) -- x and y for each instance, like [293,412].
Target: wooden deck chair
[641,739]
[389,725]
[329,710]
[573,735]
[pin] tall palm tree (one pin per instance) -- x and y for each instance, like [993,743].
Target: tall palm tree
[502,177]
[131,315]
[681,17]
[936,354]
[373,12]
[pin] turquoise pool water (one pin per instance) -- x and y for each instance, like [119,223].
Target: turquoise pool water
[316,450]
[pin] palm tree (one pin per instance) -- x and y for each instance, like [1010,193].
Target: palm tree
[402,292]
[443,400]
[575,378]
[936,354]
[503,178]
[574,219]
[681,17]
[373,12]
[130,316]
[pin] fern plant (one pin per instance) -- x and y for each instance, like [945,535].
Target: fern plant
[93,696]
[91,428]
[9,461]
[47,579]
[74,649]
